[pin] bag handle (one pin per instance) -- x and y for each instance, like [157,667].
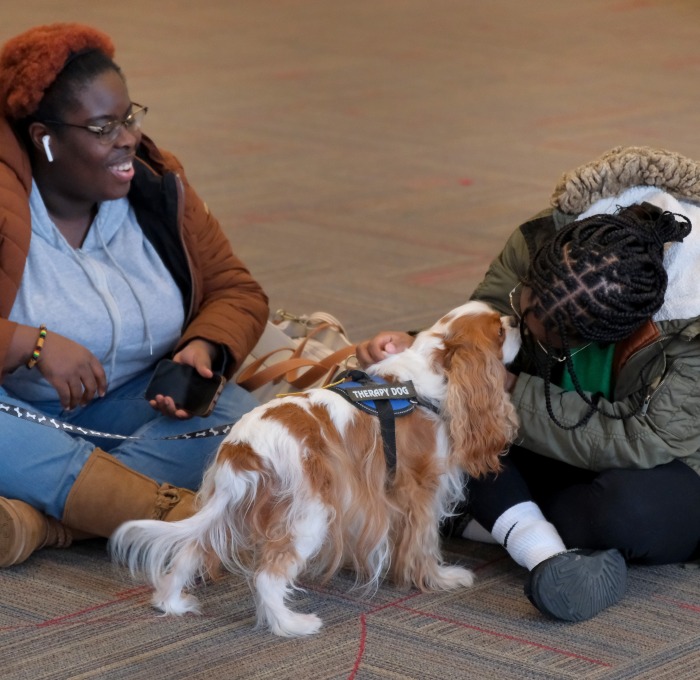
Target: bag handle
[325,367]
[309,322]
[316,330]
[252,377]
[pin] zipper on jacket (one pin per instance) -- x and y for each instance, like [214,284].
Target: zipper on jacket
[650,393]
[656,383]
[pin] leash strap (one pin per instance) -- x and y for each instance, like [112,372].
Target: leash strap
[383,407]
[41,419]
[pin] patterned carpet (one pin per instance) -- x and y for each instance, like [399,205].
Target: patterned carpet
[369,158]
[70,614]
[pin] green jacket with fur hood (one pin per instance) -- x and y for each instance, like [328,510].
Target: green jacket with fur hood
[657,370]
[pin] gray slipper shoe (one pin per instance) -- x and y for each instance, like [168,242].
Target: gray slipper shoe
[577,584]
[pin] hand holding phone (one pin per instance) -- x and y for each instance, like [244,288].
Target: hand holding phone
[189,390]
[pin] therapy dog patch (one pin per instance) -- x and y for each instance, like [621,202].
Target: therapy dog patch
[363,391]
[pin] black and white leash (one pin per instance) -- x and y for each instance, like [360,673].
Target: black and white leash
[41,419]
[46,421]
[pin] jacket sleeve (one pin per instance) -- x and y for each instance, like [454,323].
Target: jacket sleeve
[230,307]
[665,429]
[15,229]
[503,274]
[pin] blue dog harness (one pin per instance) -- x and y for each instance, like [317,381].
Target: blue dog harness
[376,396]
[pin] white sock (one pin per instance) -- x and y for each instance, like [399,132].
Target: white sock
[475,532]
[527,536]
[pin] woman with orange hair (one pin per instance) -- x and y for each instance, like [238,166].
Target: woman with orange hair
[109,262]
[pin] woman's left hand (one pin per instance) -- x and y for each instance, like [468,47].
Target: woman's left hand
[200,355]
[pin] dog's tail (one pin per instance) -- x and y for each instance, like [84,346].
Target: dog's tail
[172,555]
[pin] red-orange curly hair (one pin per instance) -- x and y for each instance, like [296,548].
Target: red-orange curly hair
[31,61]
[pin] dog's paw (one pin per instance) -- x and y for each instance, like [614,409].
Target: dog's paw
[450,577]
[176,604]
[295,625]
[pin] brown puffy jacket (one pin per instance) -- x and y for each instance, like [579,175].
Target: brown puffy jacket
[223,303]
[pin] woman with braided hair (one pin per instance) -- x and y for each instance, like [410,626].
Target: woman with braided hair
[109,262]
[598,280]
[606,386]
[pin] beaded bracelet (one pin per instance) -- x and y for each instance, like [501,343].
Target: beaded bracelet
[39,346]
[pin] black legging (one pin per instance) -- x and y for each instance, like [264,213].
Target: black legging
[651,516]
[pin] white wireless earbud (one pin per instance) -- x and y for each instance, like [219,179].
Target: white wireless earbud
[46,141]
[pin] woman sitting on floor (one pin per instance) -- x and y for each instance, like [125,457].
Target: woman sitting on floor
[109,261]
[606,469]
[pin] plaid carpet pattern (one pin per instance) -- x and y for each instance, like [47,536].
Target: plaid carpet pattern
[72,614]
[369,158]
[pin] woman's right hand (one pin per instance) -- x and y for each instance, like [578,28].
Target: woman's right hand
[74,372]
[382,345]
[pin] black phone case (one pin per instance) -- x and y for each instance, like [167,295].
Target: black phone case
[189,390]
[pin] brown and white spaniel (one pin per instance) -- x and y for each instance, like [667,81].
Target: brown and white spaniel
[301,488]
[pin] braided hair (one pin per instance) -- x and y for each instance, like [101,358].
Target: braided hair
[599,280]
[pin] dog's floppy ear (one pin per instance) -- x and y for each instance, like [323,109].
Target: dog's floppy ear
[482,420]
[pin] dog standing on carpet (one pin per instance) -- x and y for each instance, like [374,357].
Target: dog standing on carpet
[301,486]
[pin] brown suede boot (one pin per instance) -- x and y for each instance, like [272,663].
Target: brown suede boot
[108,493]
[23,530]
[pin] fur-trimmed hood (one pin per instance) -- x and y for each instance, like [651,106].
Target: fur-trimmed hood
[628,175]
[621,168]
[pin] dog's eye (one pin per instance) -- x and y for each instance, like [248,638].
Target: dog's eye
[500,331]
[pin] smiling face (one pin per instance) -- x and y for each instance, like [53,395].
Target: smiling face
[86,171]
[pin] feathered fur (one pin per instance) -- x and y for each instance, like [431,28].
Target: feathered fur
[301,486]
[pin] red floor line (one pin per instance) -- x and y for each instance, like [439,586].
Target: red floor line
[91,622]
[126,595]
[361,647]
[395,603]
[505,636]
[679,603]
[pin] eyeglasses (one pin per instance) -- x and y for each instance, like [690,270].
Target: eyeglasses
[519,316]
[108,132]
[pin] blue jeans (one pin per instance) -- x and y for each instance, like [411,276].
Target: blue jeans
[39,464]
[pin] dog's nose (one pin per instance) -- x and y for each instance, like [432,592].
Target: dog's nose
[510,321]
